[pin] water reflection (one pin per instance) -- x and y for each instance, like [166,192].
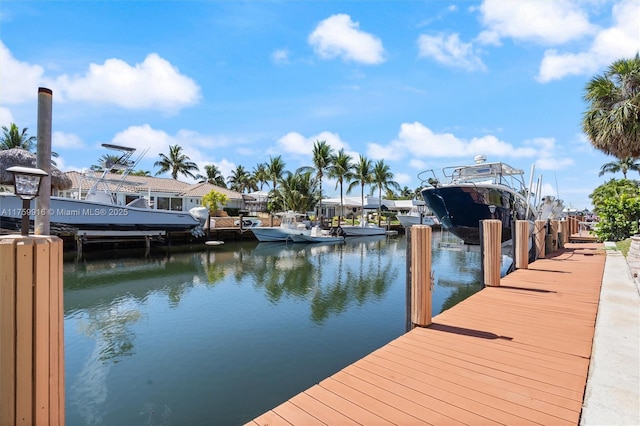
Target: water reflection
[197,334]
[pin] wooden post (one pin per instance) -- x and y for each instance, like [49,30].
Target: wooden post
[563,233]
[31,331]
[554,228]
[491,246]
[539,234]
[421,275]
[522,244]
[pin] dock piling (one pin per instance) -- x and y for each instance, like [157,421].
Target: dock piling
[421,281]
[492,254]
[522,244]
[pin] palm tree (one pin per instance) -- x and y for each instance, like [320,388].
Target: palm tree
[296,191]
[612,122]
[13,138]
[261,174]
[212,176]
[239,180]
[176,162]
[340,169]
[106,162]
[141,173]
[624,165]
[275,170]
[383,179]
[361,176]
[321,157]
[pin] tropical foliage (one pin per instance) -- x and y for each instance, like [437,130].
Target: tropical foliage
[321,156]
[12,137]
[297,191]
[612,120]
[625,165]
[176,163]
[617,204]
[341,170]
[362,176]
[212,176]
[382,179]
[214,201]
[240,180]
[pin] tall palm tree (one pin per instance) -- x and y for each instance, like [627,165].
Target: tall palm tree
[176,162]
[383,179]
[321,157]
[624,165]
[612,122]
[12,137]
[212,176]
[275,170]
[340,169]
[261,175]
[362,175]
[297,191]
[240,179]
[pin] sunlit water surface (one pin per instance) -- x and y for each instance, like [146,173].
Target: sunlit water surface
[217,336]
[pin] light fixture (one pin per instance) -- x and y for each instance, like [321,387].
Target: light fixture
[492,210]
[26,182]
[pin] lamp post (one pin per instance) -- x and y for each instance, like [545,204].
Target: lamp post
[27,185]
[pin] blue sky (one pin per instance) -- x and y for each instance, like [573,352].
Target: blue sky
[420,84]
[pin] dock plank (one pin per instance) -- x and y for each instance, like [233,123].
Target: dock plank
[514,354]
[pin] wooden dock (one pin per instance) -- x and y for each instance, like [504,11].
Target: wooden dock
[516,354]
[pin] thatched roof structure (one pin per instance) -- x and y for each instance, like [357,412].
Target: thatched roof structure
[20,157]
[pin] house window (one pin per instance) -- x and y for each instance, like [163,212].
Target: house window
[176,204]
[162,203]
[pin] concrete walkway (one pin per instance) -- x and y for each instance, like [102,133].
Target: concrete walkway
[612,395]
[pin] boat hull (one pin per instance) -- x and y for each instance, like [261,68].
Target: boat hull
[407,220]
[316,239]
[362,231]
[71,214]
[460,208]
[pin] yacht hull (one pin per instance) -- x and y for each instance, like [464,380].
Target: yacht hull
[460,208]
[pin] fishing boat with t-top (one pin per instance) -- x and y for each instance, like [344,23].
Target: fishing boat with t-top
[98,210]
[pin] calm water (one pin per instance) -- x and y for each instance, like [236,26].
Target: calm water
[220,335]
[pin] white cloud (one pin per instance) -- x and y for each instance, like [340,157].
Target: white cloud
[19,80]
[280,56]
[403,179]
[153,84]
[449,50]
[339,36]
[419,142]
[295,143]
[6,117]
[61,140]
[378,152]
[620,41]
[546,22]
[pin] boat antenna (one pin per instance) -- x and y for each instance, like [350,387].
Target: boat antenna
[557,187]
[533,168]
